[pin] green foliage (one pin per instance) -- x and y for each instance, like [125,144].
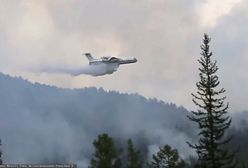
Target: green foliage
[106,155]
[166,158]
[134,160]
[211,117]
[1,161]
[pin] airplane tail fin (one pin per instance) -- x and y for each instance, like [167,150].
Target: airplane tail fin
[88,55]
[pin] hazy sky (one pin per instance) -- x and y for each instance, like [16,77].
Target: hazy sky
[164,35]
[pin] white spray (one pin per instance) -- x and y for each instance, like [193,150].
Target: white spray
[93,70]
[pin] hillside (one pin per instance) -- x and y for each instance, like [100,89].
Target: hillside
[40,123]
[46,124]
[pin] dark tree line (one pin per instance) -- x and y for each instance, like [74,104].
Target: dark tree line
[107,155]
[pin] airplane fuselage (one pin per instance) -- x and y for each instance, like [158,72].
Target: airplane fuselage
[109,60]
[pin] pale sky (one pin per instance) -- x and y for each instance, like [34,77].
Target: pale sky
[163,35]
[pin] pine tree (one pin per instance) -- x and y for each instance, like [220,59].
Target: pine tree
[211,116]
[106,155]
[133,156]
[166,158]
[1,161]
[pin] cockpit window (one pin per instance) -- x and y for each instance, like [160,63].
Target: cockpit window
[105,58]
[112,58]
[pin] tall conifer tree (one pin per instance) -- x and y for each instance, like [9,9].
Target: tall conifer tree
[134,160]
[166,157]
[1,161]
[211,116]
[106,155]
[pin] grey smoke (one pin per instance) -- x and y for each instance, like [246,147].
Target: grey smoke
[43,124]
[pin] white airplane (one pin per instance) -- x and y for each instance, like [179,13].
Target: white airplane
[102,66]
[109,60]
[96,67]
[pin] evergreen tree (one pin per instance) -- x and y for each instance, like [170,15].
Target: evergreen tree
[166,158]
[106,155]
[133,156]
[1,161]
[211,116]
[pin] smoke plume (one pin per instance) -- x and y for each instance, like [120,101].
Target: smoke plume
[42,124]
[93,70]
